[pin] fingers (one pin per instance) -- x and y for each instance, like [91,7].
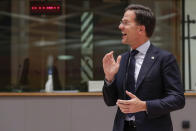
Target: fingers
[111,54]
[125,110]
[108,57]
[124,102]
[119,59]
[124,106]
[130,94]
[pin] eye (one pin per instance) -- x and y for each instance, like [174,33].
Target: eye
[125,22]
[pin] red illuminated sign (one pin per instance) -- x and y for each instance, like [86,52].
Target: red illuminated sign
[40,7]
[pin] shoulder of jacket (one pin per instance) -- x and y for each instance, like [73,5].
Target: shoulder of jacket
[162,52]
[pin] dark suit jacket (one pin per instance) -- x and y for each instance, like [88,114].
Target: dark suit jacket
[158,83]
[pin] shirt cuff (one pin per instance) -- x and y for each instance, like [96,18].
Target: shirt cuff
[108,83]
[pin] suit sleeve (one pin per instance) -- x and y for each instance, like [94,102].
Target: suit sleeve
[173,97]
[110,93]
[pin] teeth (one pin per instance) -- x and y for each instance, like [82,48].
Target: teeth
[123,34]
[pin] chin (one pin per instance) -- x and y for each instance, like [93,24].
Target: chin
[124,42]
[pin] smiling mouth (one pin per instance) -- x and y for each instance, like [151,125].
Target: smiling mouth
[123,34]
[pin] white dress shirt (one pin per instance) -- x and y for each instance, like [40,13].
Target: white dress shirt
[139,57]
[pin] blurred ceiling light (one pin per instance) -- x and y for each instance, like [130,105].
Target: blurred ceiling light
[65,57]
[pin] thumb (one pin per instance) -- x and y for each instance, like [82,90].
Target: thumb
[118,59]
[130,94]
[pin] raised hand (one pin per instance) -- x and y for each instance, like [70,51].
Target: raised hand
[110,66]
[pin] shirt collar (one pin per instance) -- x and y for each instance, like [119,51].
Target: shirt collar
[144,47]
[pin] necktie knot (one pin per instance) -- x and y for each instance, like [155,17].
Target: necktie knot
[134,52]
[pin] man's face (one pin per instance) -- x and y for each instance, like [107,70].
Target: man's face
[129,28]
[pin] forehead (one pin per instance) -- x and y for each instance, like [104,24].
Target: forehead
[129,15]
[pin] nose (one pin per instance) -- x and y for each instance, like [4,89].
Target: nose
[120,26]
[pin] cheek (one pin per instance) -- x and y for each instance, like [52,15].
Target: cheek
[131,32]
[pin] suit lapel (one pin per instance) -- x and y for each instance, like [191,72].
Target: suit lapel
[149,59]
[124,69]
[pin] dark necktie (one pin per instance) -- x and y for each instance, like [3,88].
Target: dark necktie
[131,76]
[131,72]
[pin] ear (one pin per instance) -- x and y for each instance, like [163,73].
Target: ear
[142,28]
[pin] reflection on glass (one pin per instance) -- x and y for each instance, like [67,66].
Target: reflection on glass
[77,39]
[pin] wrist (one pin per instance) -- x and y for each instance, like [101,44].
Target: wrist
[108,79]
[144,108]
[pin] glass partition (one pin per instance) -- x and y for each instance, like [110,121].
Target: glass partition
[190,45]
[71,43]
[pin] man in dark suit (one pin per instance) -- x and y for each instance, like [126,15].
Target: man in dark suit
[144,82]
